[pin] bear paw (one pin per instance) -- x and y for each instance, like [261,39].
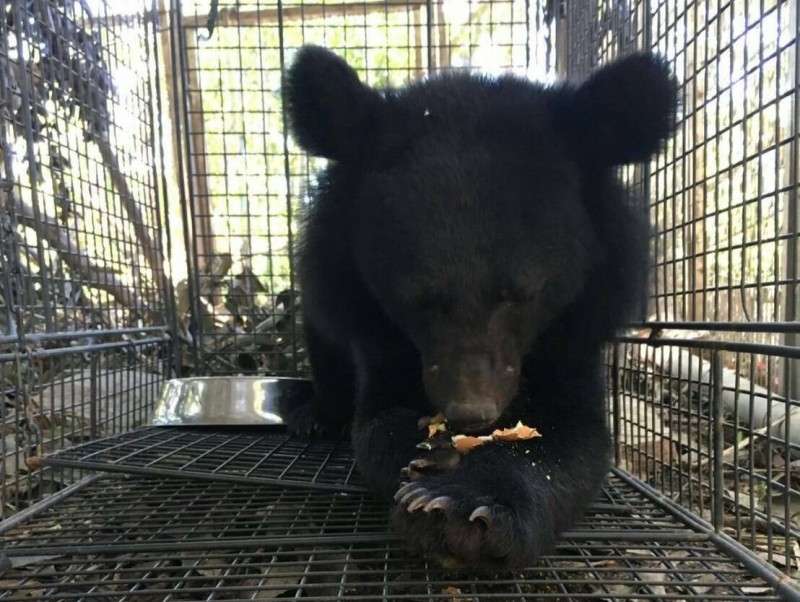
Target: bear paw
[458,529]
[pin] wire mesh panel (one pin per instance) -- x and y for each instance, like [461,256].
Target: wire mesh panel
[246,178]
[82,268]
[705,391]
[383,572]
[713,440]
[236,455]
[157,539]
[167,511]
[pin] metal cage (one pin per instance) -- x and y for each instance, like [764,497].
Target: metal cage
[147,224]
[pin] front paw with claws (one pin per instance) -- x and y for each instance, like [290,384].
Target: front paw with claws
[459,528]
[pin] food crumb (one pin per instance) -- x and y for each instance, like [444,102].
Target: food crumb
[464,443]
[520,432]
[432,429]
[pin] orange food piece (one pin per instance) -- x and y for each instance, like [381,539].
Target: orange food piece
[465,443]
[432,428]
[436,428]
[520,432]
[435,424]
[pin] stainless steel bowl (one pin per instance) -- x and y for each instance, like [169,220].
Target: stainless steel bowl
[229,400]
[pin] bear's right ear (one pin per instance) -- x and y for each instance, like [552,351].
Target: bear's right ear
[623,113]
[331,113]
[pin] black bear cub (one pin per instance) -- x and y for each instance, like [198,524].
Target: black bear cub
[468,250]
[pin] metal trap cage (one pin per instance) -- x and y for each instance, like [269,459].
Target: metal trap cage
[149,196]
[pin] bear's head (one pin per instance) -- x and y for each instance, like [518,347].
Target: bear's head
[479,211]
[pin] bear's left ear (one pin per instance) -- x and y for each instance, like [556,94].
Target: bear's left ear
[623,113]
[331,113]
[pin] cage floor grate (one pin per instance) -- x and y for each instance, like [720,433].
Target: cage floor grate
[160,512]
[153,538]
[236,455]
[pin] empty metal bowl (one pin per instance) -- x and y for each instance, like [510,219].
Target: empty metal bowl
[229,400]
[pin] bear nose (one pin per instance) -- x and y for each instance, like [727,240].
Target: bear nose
[476,366]
[470,414]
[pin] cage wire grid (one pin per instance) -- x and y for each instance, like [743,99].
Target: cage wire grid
[703,391]
[83,288]
[148,538]
[236,455]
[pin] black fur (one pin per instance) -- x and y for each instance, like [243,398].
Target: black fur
[623,112]
[331,113]
[469,251]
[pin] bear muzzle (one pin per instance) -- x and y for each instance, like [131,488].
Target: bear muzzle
[472,390]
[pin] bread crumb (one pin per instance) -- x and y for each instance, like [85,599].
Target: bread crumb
[464,443]
[520,432]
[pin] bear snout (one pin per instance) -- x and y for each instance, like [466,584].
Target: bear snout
[471,415]
[472,390]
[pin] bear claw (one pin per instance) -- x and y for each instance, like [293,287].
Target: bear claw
[438,503]
[418,503]
[481,513]
[404,489]
[413,495]
[438,455]
[408,497]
